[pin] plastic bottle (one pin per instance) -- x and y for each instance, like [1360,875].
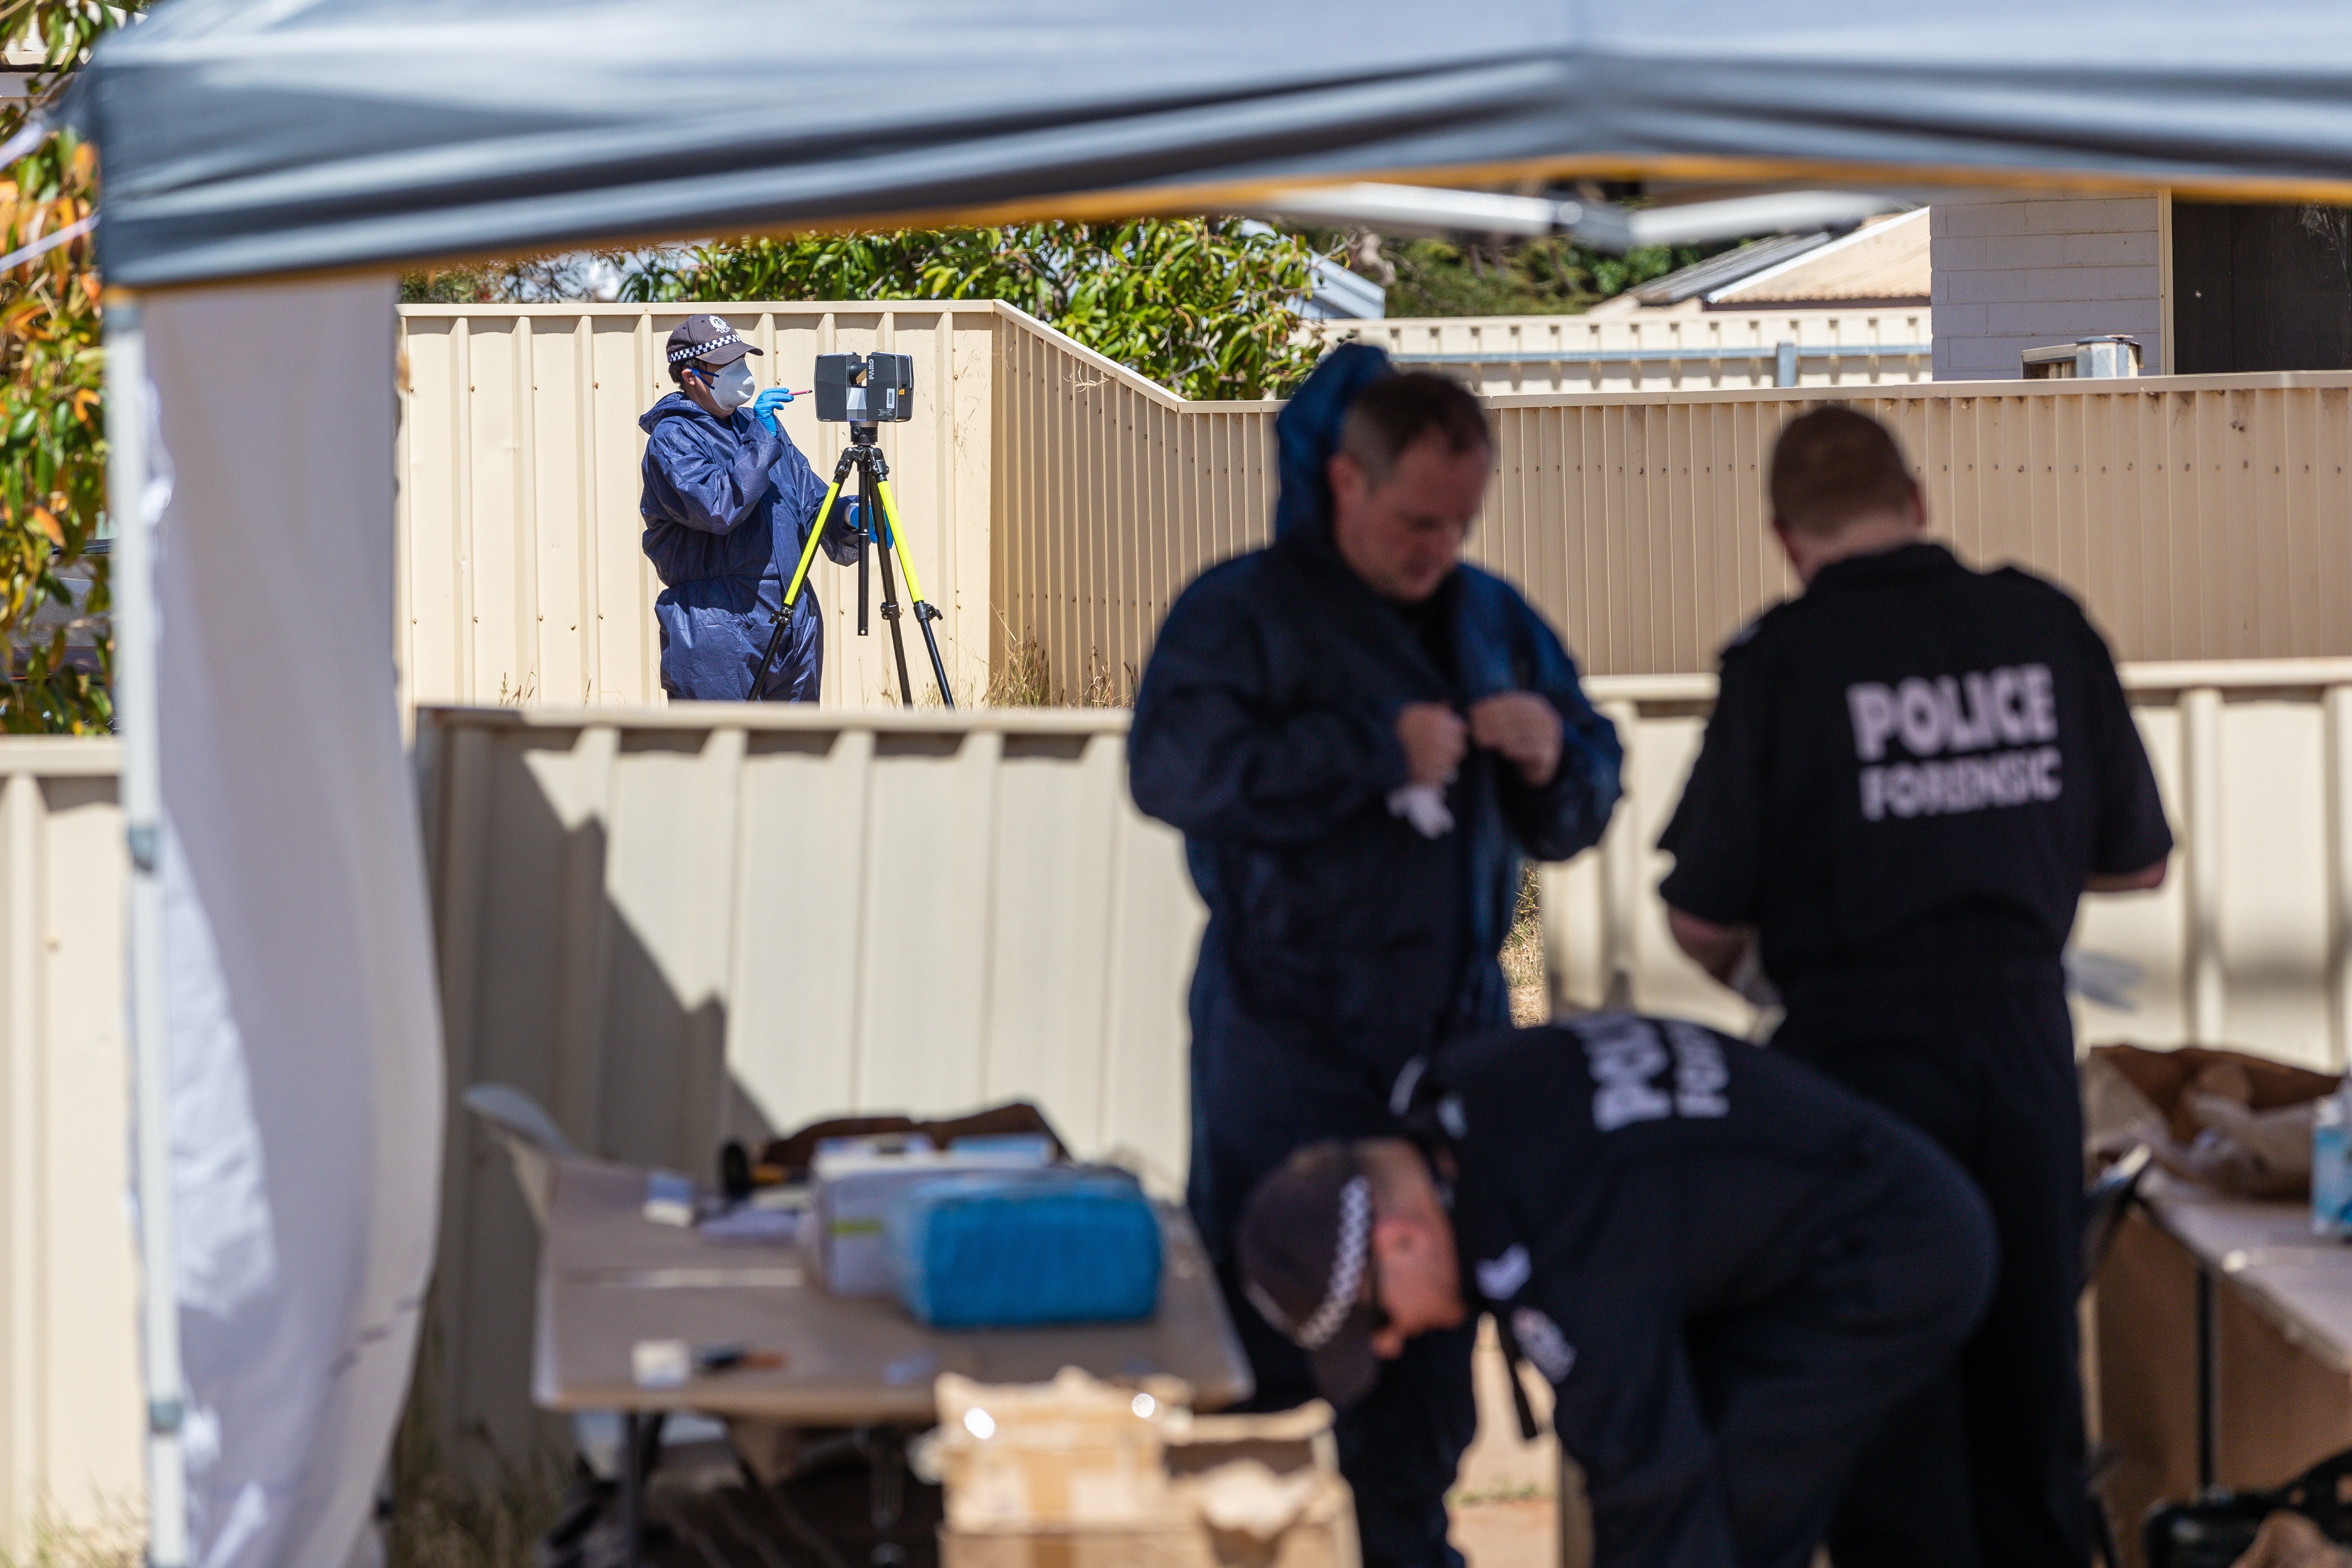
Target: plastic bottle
[2331,1163]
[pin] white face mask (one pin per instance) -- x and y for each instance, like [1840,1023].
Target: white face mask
[731,387]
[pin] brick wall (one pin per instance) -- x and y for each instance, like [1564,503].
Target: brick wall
[2017,273]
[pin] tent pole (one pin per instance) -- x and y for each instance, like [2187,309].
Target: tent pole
[129,423]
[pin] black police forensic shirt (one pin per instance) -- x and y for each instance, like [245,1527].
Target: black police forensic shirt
[1621,1180]
[1912,763]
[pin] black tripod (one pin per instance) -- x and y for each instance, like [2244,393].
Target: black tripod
[876,508]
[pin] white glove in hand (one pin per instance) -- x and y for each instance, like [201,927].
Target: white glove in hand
[1424,805]
[1748,978]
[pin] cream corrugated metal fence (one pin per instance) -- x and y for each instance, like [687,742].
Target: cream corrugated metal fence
[1053,495]
[69,1393]
[679,924]
[2249,943]
[1111,493]
[2198,518]
[673,924]
[521,578]
[1712,350]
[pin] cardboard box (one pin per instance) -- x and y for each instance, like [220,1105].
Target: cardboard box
[856,1178]
[1083,1474]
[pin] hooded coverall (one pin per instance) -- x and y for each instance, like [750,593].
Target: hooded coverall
[1341,943]
[728,505]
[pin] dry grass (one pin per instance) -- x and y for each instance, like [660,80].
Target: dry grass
[437,1522]
[113,1536]
[1523,958]
[1103,689]
[441,1519]
[1025,680]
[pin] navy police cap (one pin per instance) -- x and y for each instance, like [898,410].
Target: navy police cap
[707,339]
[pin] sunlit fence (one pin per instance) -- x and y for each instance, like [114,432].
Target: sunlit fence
[1054,498]
[71,1409]
[2249,943]
[1853,349]
[671,925]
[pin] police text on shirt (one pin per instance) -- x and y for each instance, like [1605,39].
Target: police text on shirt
[1626,1053]
[1933,717]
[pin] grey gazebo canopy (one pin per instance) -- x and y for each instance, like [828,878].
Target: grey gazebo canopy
[243,140]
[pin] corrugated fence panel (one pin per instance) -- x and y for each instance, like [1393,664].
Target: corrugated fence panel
[1695,350]
[1111,495]
[673,925]
[70,1402]
[2249,943]
[1054,496]
[2197,518]
[521,579]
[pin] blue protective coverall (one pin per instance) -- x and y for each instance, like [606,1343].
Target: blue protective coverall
[727,504]
[1341,943]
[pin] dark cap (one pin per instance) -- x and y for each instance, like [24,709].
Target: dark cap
[707,339]
[1306,1253]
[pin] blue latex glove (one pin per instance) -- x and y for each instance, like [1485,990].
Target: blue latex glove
[767,403]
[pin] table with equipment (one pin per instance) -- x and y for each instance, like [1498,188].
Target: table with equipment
[611,1279]
[2224,1333]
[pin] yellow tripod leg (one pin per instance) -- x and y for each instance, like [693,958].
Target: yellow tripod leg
[924,613]
[899,540]
[808,551]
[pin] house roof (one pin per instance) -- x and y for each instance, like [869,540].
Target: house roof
[1884,259]
[1716,271]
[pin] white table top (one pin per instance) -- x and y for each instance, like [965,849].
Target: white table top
[2300,1281]
[610,1278]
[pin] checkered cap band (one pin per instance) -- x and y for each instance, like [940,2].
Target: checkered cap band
[696,351]
[1348,1261]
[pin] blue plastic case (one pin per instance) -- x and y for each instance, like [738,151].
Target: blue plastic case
[1017,1249]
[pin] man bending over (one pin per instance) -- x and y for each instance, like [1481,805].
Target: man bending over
[1729,1268]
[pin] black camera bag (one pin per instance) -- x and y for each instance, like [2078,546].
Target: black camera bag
[2214,1531]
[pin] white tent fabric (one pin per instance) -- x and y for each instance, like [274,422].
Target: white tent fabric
[306,1096]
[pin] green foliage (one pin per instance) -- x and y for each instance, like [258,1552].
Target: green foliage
[1205,307]
[569,275]
[477,283]
[1527,277]
[52,430]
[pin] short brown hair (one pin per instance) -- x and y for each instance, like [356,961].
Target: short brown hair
[1833,466]
[1396,412]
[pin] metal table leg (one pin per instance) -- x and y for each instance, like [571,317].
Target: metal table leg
[2206,1414]
[631,1489]
[640,1447]
[885,1454]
